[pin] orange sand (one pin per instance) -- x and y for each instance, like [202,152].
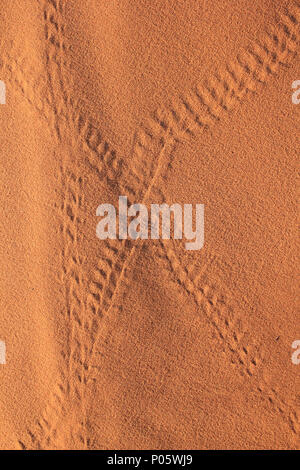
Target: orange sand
[144,345]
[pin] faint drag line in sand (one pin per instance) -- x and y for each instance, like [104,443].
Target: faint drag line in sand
[44,429]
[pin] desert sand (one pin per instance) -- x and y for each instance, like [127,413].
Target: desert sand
[123,344]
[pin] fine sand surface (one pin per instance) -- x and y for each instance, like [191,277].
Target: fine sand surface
[119,344]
